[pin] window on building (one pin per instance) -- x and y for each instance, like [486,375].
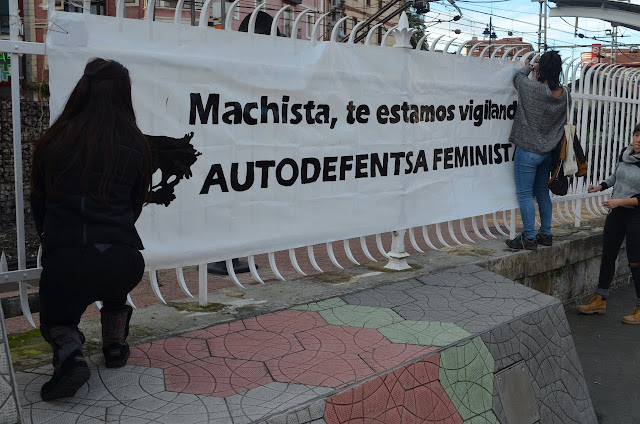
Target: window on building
[287,22]
[171,4]
[310,22]
[4,17]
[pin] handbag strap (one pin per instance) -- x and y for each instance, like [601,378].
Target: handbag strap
[566,90]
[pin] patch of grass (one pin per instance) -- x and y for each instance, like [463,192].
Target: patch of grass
[195,307]
[28,348]
[466,250]
[559,272]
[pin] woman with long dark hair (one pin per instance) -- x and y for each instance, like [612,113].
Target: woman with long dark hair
[91,176]
[622,222]
[537,128]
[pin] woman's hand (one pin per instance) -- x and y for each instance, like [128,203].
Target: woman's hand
[612,203]
[594,189]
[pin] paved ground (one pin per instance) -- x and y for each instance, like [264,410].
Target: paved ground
[445,337]
[610,355]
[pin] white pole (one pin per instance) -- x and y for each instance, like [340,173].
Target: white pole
[14,23]
[546,12]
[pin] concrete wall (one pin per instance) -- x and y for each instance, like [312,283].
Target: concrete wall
[568,270]
[34,121]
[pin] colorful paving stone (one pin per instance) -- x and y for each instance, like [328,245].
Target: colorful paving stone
[269,399]
[334,302]
[466,373]
[424,333]
[360,316]
[411,394]
[430,359]
[220,377]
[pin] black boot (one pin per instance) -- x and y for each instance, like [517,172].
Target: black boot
[70,369]
[115,329]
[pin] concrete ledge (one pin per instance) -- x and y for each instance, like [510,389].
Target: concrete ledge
[462,345]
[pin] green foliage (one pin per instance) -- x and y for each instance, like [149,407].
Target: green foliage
[416,21]
[559,272]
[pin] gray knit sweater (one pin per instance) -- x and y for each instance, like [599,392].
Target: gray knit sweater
[539,122]
[626,177]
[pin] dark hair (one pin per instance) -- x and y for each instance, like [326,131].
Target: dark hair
[97,116]
[550,68]
[636,129]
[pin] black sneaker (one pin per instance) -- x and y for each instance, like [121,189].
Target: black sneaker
[67,379]
[544,240]
[521,242]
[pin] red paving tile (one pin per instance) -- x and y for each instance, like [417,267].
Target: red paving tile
[217,330]
[319,368]
[408,395]
[339,340]
[219,377]
[286,322]
[254,345]
[173,351]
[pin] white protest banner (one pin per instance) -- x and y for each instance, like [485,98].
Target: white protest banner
[299,143]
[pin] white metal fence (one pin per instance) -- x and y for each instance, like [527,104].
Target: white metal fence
[605,110]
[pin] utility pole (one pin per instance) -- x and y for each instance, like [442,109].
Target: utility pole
[542,25]
[223,15]
[546,13]
[614,44]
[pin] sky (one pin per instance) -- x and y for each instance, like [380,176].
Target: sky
[521,17]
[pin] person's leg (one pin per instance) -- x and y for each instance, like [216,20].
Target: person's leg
[612,237]
[115,314]
[524,169]
[60,310]
[541,193]
[633,255]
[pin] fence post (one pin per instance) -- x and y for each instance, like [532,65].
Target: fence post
[397,255]
[203,290]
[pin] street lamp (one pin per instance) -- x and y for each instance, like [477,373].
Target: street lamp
[489,33]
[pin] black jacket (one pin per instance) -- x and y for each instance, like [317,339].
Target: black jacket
[74,217]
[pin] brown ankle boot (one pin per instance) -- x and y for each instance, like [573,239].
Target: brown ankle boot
[597,305]
[634,318]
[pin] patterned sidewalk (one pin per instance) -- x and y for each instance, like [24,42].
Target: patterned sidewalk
[420,351]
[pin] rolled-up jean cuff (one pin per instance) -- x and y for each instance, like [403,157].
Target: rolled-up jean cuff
[637,301]
[603,292]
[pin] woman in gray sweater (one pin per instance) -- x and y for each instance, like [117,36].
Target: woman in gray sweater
[537,128]
[623,221]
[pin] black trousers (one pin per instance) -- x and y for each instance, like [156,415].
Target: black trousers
[74,278]
[621,222]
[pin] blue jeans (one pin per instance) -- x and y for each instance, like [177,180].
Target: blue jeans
[531,172]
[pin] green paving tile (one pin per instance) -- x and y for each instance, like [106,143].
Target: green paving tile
[466,374]
[321,306]
[486,418]
[360,316]
[424,333]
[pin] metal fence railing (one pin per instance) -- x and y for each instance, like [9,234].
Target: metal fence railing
[605,109]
